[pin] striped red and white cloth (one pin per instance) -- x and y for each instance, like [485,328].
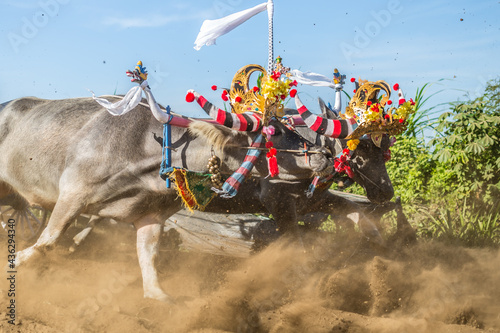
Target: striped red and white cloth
[232,184]
[241,122]
[329,127]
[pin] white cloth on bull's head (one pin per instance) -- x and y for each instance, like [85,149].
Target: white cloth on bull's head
[131,100]
[313,79]
[212,29]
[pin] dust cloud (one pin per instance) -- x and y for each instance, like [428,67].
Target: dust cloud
[322,285]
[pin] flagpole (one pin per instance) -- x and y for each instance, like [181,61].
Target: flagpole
[270,13]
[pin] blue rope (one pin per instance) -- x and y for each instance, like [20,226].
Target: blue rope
[166,162]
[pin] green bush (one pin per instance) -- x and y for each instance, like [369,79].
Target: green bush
[450,185]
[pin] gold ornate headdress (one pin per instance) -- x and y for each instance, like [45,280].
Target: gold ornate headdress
[267,97]
[368,109]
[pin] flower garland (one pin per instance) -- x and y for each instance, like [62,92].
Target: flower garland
[276,90]
[352,144]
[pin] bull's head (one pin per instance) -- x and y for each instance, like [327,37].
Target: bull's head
[364,159]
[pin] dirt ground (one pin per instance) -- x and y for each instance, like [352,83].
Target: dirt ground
[323,286]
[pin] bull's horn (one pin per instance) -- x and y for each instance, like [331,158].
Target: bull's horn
[240,122]
[329,127]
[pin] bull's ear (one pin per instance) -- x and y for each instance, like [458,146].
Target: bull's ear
[326,111]
[216,135]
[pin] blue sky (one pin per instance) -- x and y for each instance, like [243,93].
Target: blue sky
[60,48]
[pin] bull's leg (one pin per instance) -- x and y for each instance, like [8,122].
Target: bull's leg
[85,232]
[148,238]
[282,204]
[65,211]
[334,204]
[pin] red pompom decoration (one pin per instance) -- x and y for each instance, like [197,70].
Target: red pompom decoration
[387,116]
[368,103]
[283,96]
[401,120]
[224,92]
[337,164]
[389,102]
[237,99]
[293,84]
[214,87]
[349,172]
[269,144]
[255,89]
[396,86]
[346,151]
[272,164]
[273,151]
[224,97]
[354,91]
[353,79]
[293,92]
[189,97]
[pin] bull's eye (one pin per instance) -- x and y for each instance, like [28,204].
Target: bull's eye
[278,131]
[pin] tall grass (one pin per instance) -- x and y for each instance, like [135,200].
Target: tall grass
[468,226]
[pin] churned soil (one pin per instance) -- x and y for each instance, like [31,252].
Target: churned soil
[325,285]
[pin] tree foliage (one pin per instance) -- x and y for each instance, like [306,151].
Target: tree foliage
[451,184]
[468,146]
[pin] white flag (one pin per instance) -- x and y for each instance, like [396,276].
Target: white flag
[212,29]
[312,79]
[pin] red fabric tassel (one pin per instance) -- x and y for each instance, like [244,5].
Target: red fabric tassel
[272,163]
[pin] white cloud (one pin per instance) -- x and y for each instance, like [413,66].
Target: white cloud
[141,22]
[20,4]
[153,21]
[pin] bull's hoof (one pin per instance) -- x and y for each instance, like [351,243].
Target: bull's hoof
[162,298]
[25,255]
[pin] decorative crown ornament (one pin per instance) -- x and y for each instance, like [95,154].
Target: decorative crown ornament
[368,109]
[265,99]
[139,74]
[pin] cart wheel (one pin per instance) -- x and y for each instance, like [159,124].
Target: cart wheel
[29,221]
